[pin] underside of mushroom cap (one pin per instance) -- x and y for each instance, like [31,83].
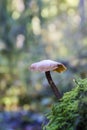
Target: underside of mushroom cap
[60,68]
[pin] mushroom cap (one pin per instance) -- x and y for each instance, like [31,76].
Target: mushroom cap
[48,65]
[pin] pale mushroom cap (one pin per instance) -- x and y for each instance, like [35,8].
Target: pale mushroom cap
[48,65]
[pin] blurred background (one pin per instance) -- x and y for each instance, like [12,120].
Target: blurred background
[30,31]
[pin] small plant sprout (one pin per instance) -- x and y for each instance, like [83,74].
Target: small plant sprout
[47,66]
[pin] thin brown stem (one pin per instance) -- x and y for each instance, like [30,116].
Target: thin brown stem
[52,85]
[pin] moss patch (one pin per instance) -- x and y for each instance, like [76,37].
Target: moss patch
[70,113]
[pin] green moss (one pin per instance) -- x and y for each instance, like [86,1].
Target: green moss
[70,112]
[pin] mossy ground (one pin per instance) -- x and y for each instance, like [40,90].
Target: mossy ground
[70,113]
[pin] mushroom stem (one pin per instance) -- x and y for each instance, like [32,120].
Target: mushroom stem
[52,85]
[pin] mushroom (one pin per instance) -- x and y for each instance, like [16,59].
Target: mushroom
[47,66]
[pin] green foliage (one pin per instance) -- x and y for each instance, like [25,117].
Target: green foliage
[70,113]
